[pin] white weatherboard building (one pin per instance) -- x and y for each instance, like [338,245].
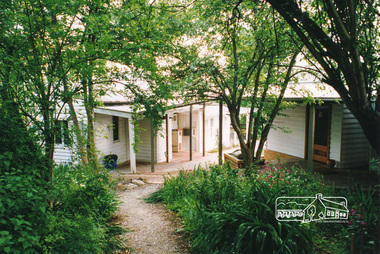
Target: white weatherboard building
[185,126]
[337,134]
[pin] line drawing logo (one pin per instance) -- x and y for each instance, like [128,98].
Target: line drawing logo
[308,209]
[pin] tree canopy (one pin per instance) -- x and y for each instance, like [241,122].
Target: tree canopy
[343,38]
[239,53]
[56,53]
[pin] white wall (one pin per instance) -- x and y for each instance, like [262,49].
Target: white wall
[226,130]
[336,133]
[199,131]
[161,144]
[104,138]
[292,143]
[143,154]
[212,126]
[184,123]
[63,153]
[355,148]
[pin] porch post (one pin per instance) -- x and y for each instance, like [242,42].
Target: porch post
[191,132]
[152,147]
[167,137]
[132,154]
[204,130]
[310,135]
[220,148]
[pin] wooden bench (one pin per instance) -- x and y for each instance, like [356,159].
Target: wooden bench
[235,162]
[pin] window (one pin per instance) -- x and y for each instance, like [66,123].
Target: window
[115,128]
[62,134]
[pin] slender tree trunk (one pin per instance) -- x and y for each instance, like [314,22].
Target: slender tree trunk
[78,132]
[91,150]
[90,105]
[276,109]
[48,132]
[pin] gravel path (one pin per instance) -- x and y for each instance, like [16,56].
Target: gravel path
[152,227]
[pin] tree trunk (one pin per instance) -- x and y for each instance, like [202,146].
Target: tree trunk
[77,130]
[91,150]
[90,105]
[246,150]
[78,134]
[48,133]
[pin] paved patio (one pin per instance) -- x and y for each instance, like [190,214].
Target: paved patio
[180,161]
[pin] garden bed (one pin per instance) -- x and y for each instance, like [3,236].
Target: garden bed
[235,159]
[229,210]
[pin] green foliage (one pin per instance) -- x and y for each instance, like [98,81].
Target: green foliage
[227,212]
[23,196]
[374,165]
[232,211]
[23,212]
[69,233]
[18,148]
[238,52]
[362,221]
[82,200]
[79,191]
[80,220]
[82,209]
[363,218]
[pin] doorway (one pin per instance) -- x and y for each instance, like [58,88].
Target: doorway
[322,133]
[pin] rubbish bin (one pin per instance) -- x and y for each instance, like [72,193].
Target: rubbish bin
[110,161]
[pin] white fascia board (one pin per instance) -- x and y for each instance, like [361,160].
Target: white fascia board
[113,112]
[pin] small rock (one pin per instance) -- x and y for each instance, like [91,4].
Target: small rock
[138,182]
[130,186]
[121,187]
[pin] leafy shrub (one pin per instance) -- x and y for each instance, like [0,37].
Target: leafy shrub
[290,182]
[84,203]
[23,195]
[226,211]
[82,200]
[231,210]
[18,148]
[82,192]
[73,233]
[23,211]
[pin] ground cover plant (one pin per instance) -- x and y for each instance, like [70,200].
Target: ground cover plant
[229,210]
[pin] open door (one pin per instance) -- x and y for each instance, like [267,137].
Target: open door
[322,133]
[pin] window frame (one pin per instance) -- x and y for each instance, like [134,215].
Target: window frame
[115,128]
[61,135]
